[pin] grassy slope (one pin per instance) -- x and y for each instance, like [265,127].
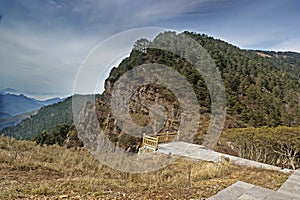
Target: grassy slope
[31,171]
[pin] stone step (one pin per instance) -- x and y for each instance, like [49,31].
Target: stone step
[242,191]
[247,197]
[291,187]
[287,196]
[280,196]
[290,190]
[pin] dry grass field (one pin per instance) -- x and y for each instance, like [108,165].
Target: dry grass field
[28,171]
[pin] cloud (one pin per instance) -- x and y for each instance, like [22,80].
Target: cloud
[247,24]
[42,43]
[287,45]
[40,62]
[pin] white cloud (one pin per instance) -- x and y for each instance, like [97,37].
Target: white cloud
[41,62]
[288,45]
[42,43]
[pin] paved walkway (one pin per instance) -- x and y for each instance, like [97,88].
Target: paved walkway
[290,190]
[199,152]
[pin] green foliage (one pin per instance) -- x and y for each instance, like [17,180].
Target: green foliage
[260,90]
[46,118]
[57,135]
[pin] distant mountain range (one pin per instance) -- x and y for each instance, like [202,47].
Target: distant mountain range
[43,119]
[9,91]
[14,106]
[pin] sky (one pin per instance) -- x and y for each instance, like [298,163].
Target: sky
[43,43]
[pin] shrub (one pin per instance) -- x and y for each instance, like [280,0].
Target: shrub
[277,146]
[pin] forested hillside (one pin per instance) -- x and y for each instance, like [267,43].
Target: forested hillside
[262,89]
[46,119]
[12,104]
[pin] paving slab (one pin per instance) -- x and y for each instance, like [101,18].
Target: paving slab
[296,173]
[259,192]
[247,197]
[244,185]
[278,196]
[232,192]
[288,196]
[292,185]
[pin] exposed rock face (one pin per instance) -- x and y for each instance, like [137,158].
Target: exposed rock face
[139,105]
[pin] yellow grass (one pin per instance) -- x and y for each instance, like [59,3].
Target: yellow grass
[33,172]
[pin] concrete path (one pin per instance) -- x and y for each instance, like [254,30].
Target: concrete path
[290,190]
[199,152]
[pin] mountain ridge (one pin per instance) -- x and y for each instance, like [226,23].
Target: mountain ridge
[16,104]
[16,107]
[261,90]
